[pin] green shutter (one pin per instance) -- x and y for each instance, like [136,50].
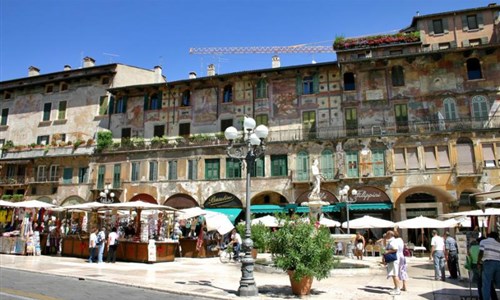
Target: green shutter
[352,164]
[125,104]
[67,175]
[146,102]
[445,25]
[465,24]
[378,163]
[430,27]
[327,164]
[480,21]
[160,99]
[298,85]
[316,83]
[112,105]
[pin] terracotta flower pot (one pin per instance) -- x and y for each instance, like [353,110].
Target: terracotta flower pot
[302,287]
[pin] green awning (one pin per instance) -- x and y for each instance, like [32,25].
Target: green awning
[370,206]
[326,208]
[231,213]
[266,209]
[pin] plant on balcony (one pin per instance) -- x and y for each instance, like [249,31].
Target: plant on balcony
[17,197]
[8,144]
[6,197]
[159,142]
[138,142]
[77,143]
[90,142]
[341,43]
[104,140]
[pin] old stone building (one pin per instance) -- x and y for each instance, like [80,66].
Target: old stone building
[48,128]
[409,120]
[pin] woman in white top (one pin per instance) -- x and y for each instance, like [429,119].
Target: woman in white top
[112,245]
[92,244]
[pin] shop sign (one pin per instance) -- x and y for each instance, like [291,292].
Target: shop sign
[222,200]
[324,196]
[426,212]
[370,194]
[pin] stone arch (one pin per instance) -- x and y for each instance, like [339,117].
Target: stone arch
[144,197]
[72,200]
[269,197]
[181,201]
[441,195]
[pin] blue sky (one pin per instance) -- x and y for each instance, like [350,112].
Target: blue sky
[49,34]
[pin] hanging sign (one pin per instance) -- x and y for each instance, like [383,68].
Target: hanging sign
[222,200]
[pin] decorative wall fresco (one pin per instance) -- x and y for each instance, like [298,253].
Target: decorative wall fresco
[205,106]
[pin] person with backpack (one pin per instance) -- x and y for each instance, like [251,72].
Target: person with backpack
[101,241]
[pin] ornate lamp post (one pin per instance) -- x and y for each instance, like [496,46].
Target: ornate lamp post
[344,197]
[106,196]
[250,148]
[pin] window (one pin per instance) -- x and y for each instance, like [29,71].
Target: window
[100,177]
[479,108]
[184,129]
[437,25]
[172,170]
[64,87]
[53,172]
[450,109]
[121,105]
[7,95]
[412,155]
[212,169]
[401,114]
[49,88]
[262,120]
[327,164]
[105,80]
[443,157]
[349,82]
[159,131]
[474,69]
[134,176]
[153,171]
[47,107]
[227,94]
[351,121]
[83,175]
[307,85]
[261,89]
[302,167]
[406,159]
[279,165]
[443,46]
[41,174]
[378,162]
[42,140]
[67,175]
[153,102]
[430,158]
[224,124]
[117,170]
[489,156]
[352,164]
[258,168]
[192,169]
[186,98]
[126,133]
[5,116]
[61,115]
[472,22]
[465,157]
[398,76]
[103,105]
[233,168]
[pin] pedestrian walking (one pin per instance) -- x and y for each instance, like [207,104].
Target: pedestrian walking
[489,264]
[392,265]
[451,255]
[101,241]
[403,267]
[92,244]
[360,242]
[112,245]
[437,254]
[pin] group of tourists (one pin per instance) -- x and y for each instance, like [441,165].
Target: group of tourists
[97,243]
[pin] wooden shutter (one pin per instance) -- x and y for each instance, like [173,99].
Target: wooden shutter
[412,158]
[146,102]
[430,158]
[443,157]
[399,159]
[465,158]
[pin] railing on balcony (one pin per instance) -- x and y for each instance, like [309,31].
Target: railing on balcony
[13,180]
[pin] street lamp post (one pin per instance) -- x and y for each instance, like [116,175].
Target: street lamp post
[344,197]
[251,147]
[106,196]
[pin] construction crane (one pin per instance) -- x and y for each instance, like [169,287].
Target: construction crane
[262,50]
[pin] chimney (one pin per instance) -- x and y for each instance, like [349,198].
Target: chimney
[158,76]
[211,70]
[88,62]
[276,62]
[67,67]
[33,71]
[192,75]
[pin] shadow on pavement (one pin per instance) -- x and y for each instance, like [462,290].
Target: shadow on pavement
[376,289]
[208,284]
[283,292]
[448,293]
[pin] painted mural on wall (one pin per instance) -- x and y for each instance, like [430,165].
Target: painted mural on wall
[285,101]
[205,106]
[135,115]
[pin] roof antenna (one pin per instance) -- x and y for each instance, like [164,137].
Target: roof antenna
[111,55]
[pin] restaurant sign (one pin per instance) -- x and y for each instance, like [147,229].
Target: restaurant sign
[369,194]
[324,196]
[222,200]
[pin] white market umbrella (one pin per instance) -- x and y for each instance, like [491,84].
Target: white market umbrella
[268,221]
[6,203]
[84,206]
[188,213]
[488,202]
[368,222]
[218,221]
[326,222]
[33,204]
[138,205]
[422,222]
[477,212]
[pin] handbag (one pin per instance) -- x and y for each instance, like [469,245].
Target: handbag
[390,257]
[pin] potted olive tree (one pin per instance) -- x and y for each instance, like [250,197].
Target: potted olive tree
[304,251]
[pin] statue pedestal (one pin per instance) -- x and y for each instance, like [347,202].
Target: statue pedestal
[315,203]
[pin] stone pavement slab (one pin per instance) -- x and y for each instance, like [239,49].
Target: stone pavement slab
[209,278]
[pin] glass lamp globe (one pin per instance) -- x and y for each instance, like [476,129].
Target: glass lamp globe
[354,192]
[347,188]
[254,140]
[249,123]
[112,195]
[261,131]
[102,194]
[231,133]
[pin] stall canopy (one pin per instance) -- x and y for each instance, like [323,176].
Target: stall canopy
[422,222]
[6,203]
[476,212]
[368,222]
[368,206]
[33,204]
[231,213]
[138,205]
[326,208]
[266,209]
[268,221]
[325,222]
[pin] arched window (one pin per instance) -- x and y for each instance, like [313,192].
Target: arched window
[327,164]
[186,98]
[262,88]
[474,69]
[228,94]
[398,76]
[349,82]
[450,109]
[302,166]
[479,108]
